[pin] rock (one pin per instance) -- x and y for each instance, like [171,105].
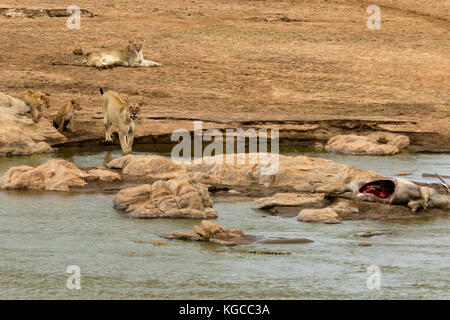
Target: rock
[155,243]
[302,174]
[213,232]
[174,198]
[291,200]
[344,207]
[56,175]
[370,234]
[285,241]
[318,147]
[379,143]
[326,215]
[403,173]
[102,175]
[398,140]
[364,244]
[152,165]
[19,135]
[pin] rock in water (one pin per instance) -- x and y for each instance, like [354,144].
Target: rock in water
[102,175]
[213,232]
[174,198]
[326,215]
[19,135]
[302,174]
[291,200]
[55,175]
[379,143]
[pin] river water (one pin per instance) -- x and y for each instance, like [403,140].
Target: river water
[42,233]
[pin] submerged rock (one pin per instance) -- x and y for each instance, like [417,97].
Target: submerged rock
[174,198]
[56,175]
[291,200]
[325,215]
[19,135]
[215,233]
[368,234]
[379,143]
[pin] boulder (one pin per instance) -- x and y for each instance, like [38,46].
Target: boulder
[379,143]
[19,135]
[102,175]
[155,166]
[344,207]
[55,175]
[291,200]
[326,215]
[174,198]
[213,232]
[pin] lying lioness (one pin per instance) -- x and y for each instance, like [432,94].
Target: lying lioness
[122,114]
[131,56]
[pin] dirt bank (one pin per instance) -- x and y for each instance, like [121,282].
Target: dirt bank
[310,68]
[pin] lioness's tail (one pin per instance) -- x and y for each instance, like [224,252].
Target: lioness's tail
[101,90]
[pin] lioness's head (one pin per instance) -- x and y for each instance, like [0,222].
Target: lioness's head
[136,46]
[133,108]
[44,100]
[75,104]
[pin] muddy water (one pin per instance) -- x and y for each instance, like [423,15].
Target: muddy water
[41,234]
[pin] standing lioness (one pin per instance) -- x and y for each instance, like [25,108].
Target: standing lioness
[131,56]
[122,114]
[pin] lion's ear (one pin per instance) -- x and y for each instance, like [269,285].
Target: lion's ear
[141,103]
[130,41]
[47,94]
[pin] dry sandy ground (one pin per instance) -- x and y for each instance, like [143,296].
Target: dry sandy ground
[245,59]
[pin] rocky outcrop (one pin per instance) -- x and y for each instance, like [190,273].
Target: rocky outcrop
[19,135]
[212,232]
[378,143]
[174,198]
[55,175]
[291,200]
[303,174]
[325,215]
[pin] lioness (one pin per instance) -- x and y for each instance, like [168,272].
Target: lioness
[64,117]
[37,102]
[122,114]
[131,56]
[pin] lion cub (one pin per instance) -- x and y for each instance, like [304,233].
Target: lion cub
[131,56]
[37,102]
[64,117]
[122,114]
